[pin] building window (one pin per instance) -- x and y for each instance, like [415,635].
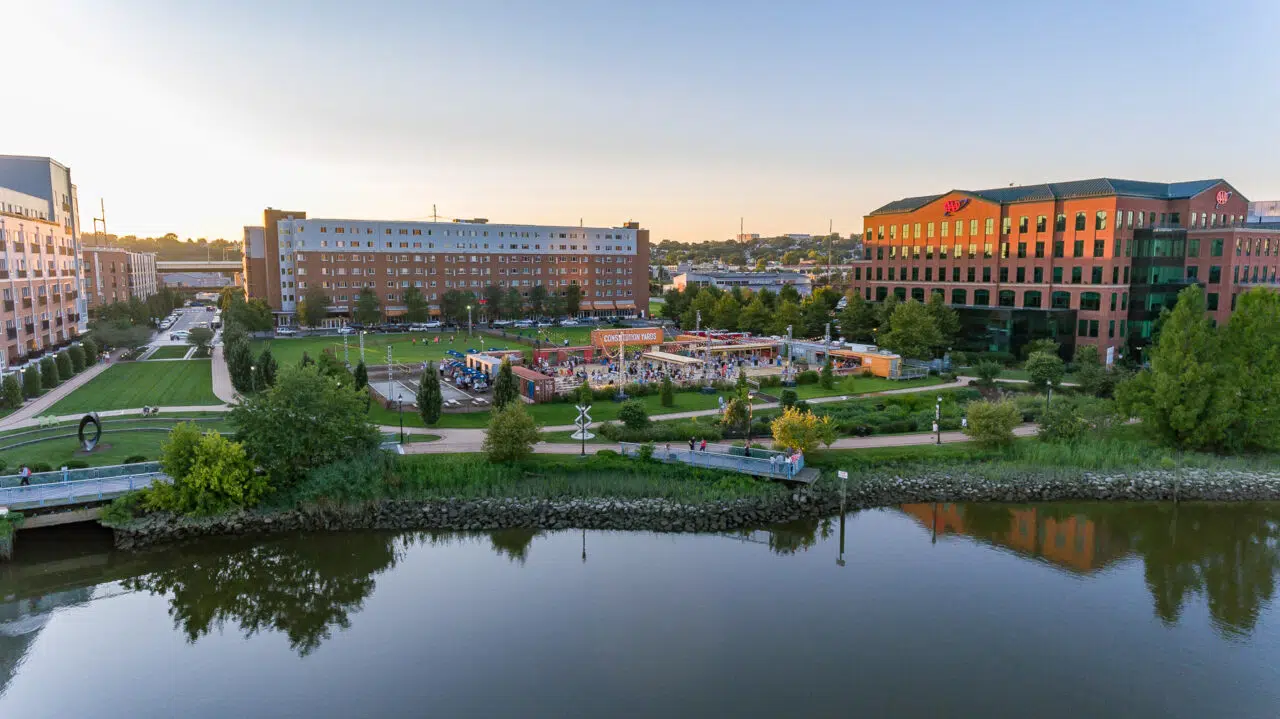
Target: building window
[986,250]
[1095,275]
[917,294]
[931,230]
[959,297]
[1057,248]
[1215,274]
[1099,248]
[1077,275]
[1022,250]
[1021,274]
[972,274]
[1211,301]
[986,274]
[1215,248]
[1077,248]
[981,298]
[1005,298]
[928,251]
[928,274]
[1031,298]
[955,274]
[1090,301]
[1057,275]
[973,227]
[1193,272]
[1037,275]
[959,228]
[990,225]
[1100,222]
[1024,224]
[1080,220]
[1004,274]
[1004,225]
[1060,300]
[1114,296]
[973,250]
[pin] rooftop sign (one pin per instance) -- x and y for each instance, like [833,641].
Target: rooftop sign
[951,207]
[630,336]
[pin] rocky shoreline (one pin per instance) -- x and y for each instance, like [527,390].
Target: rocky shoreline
[658,515]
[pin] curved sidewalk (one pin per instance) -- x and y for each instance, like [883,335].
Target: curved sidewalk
[25,415]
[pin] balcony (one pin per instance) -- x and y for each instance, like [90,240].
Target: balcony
[48,247]
[37,273]
[21,273]
[4,274]
[43,300]
[8,305]
[57,296]
[26,302]
[44,324]
[11,333]
[58,321]
[29,328]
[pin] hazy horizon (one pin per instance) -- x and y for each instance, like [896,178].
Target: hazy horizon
[192,117]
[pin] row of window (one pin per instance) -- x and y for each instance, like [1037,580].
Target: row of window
[1031,299]
[1124,220]
[26,291]
[1261,246]
[355,244]
[476,233]
[970,274]
[457,259]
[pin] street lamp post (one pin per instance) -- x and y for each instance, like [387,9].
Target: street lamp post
[750,414]
[400,406]
[937,418]
[469,325]
[253,377]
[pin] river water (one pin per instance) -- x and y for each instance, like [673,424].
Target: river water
[930,610]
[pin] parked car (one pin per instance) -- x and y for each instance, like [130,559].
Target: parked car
[569,323]
[502,323]
[347,330]
[179,336]
[524,324]
[433,324]
[285,332]
[210,308]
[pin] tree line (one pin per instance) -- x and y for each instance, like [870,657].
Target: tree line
[169,247]
[492,303]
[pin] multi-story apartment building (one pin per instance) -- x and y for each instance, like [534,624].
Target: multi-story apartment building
[753,281]
[291,253]
[40,274]
[1089,261]
[113,274]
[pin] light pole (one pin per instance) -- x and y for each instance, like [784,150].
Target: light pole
[468,320]
[790,354]
[937,418]
[400,406]
[253,378]
[346,352]
[750,414]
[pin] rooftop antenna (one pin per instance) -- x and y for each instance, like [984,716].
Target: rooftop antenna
[830,252]
[103,237]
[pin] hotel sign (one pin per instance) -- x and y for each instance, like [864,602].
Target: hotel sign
[630,336]
[950,207]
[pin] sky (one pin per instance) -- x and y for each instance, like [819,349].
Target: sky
[191,117]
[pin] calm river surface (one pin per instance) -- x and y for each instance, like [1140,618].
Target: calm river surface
[1083,610]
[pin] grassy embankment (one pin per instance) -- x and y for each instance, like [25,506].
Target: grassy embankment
[128,385]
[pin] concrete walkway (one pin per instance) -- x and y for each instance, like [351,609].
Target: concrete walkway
[33,421]
[24,415]
[222,388]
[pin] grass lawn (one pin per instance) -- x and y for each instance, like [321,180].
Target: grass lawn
[577,336]
[127,385]
[553,414]
[115,446]
[857,385]
[416,347]
[170,352]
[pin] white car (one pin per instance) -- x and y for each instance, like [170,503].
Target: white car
[179,336]
[346,331]
[433,324]
[524,324]
[285,332]
[503,323]
[569,323]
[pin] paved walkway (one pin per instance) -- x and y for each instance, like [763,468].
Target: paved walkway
[24,415]
[33,421]
[222,388]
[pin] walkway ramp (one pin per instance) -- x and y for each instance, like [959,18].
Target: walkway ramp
[77,486]
[764,463]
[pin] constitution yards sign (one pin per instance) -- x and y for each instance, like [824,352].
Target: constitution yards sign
[629,336]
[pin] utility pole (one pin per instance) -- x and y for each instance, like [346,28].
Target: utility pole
[434,216]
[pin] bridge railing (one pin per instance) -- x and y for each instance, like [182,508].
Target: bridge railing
[76,475]
[77,491]
[760,462]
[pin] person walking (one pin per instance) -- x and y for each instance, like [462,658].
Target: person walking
[703,447]
[26,476]
[692,441]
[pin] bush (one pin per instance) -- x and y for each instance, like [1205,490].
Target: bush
[682,431]
[76,353]
[827,379]
[211,474]
[90,352]
[645,451]
[40,467]
[134,459]
[633,414]
[123,509]
[48,373]
[1002,358]
[511,434]
[31,385]
[797,429]
[1061,423]
[63,361]
[807,377]
[987,371]
[668,392]
[11,391]
[991,424]
[363,478]
[76,464]
[787,398]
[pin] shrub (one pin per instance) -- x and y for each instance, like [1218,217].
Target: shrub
[429,399]
[76,353]
[511,434]
[211,474]
[807,377]
[1003,358]
[123,509]
[827,379]
[363,478]
[800,430]
[504,388]
[633,414]
[991,424]
[90,351]
[31,382]
[987,371]
[1061,423]
[76,464]
[134,459]
[63,361]
[40,467]
[48,373]
[583,393]
[667,393]
[11,391]
[645,451]
[787,398]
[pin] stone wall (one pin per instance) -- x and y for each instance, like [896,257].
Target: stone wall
[667,516]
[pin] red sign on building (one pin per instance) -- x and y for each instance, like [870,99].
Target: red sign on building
[1222,197]
[953,206]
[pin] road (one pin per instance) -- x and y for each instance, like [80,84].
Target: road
[188,318]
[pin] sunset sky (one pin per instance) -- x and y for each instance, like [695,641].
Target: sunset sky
[192,117]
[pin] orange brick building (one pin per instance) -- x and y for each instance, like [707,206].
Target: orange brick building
[1089,261]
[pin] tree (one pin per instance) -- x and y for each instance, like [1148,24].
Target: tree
[306,420]
[493,298]
[801,430]
[1090,375]
[755,317]
[513,305]
[761,265]
[666,392]
[788,315]
[121,333]
[504,388]
[210,473]
[537,300]
[827,380]
[31,381]
[884,313]
[633,414]
[857,320]
[200,338]
[239,362]
[314,307]
[64,366]
[253,316]
[361,376]
[1062,423]
[429,399]
[511,434]
[912,332]
[368,309]
[704,303]
[572,299]
[333,368]
[11,392]
[814,317]
[991,424]
[90,351]
[583,393]
[415,303]
[306,360]
[1250,369]
[48,373]
[76,352]
[725,313]
[987,372]
[737,412]
[945,319]
[1040,345]
[265,369]
[1045,369]
[789,293]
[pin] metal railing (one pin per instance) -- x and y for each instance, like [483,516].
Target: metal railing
[79,475]
[761,462]
[52,494]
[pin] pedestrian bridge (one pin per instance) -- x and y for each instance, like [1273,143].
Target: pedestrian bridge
[67,488]
[755,461]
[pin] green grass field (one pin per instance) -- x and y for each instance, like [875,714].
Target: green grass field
[417,347]
[170,352]
[134,384]
[115,445]
[858,385]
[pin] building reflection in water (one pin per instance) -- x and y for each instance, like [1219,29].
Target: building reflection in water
[1227,554]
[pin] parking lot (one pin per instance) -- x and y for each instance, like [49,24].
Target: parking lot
[188,319]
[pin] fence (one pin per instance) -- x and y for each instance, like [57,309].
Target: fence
[77,475]
[760,462]
[82,490]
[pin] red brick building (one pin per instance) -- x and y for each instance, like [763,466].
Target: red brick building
[1088,261]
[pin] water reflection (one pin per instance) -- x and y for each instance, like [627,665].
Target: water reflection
[1227,554]
[303,587]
